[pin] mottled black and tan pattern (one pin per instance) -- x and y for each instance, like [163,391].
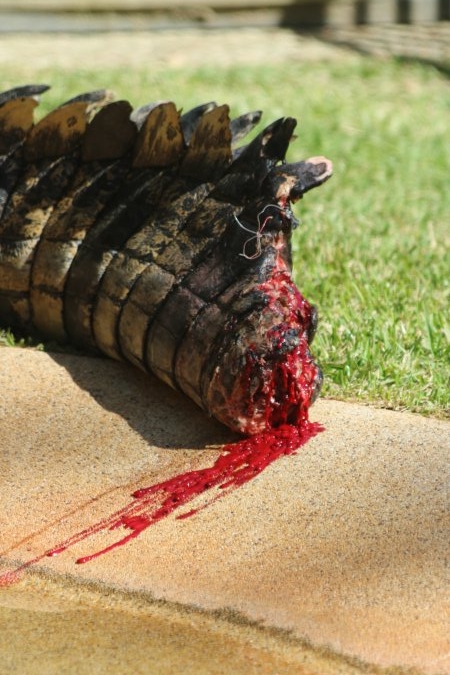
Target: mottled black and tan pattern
[137,233]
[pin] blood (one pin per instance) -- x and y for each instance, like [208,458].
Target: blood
[237,464]
[287,429]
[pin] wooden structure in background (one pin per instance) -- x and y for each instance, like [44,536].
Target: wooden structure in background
[304,13]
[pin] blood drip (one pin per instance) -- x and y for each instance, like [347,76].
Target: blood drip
[238,462]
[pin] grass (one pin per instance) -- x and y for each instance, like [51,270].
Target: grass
[372,251]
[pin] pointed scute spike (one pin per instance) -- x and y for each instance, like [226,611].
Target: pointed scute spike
[16,119]
[95,100]
[110,134]
[139,115]
[276,138]
[289,182]
[253,162]
[160,140]
[190,119]
[26,91]
[266,149]
[97,96]
[242,125]
[57,134]
[209,153]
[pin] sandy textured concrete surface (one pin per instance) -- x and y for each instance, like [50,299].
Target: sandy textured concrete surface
[337,553]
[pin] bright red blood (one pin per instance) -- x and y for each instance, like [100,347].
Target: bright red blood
[238,462]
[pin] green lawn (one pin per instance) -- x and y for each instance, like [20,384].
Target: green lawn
[373,247]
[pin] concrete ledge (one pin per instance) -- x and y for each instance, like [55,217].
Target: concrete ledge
[343,545]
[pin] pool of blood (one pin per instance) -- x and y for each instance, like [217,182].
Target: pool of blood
[237,463]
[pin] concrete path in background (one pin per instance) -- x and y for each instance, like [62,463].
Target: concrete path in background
[337,552]
[193,47]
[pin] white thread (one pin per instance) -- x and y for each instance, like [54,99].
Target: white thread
[258,234]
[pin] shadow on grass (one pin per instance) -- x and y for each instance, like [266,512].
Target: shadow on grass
[441,66]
